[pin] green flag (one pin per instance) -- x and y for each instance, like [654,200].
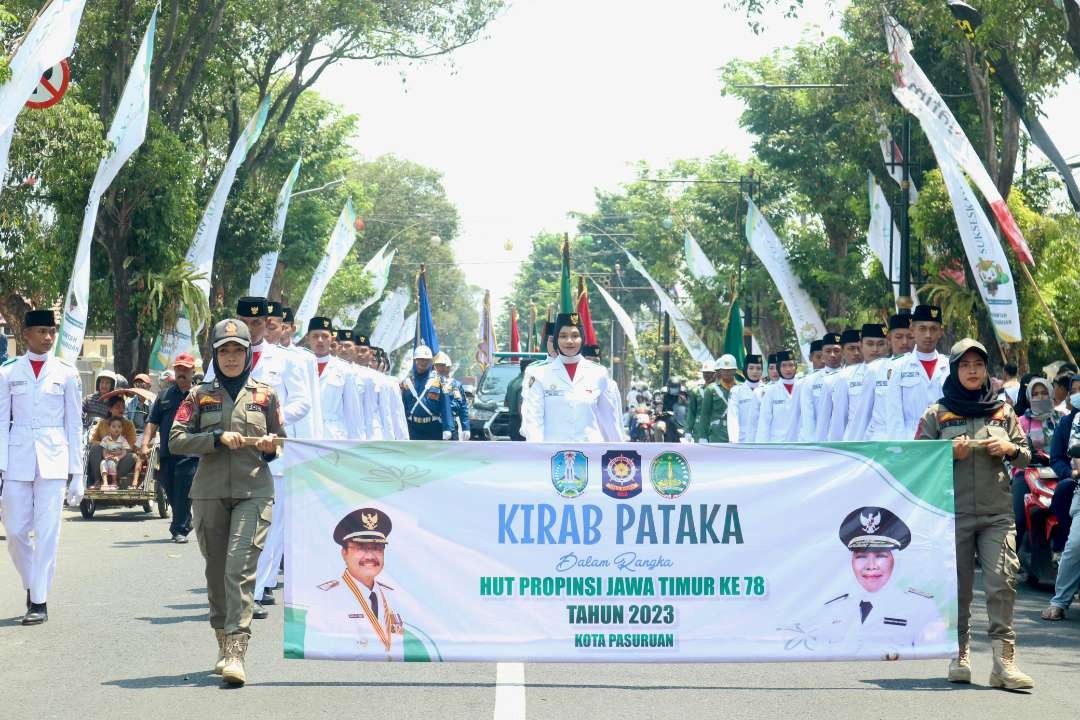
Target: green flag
[566,303]
[733,338]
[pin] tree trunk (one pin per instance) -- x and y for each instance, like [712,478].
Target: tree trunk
[13,307]
[1010,148]
[980,87]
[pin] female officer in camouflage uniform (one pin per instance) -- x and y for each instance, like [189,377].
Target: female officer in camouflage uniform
[984,432]
[233,491]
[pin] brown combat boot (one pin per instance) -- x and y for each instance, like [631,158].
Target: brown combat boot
[960,666]
[235,649]
[220,665]
[1005,673]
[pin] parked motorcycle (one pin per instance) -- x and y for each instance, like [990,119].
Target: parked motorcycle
[1038,562]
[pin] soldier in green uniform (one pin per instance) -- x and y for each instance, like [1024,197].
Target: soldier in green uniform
[513,401]
[233,491]
[708,374]
[712,418]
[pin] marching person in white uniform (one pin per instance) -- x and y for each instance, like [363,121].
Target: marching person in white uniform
[275,333]
[40,456]
[379,394]
[341,414]
[571,399]
[778,403]
[812,387]
[847,391]
[868,421]
[394,411]
[745,403]
[352,615]
[851,356]
[917,377]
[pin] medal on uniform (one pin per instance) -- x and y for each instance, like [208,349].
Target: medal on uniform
[384,632]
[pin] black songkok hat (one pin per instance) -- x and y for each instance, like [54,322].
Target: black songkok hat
[320,323]
[251,307]
[831,339]
[361,339]
[815,346]
[873,330]
[900,322]
[287,315]
[926,313]
[344,335]
[39,318]
[783,356]
[751,360]
[274,308]
[851,335]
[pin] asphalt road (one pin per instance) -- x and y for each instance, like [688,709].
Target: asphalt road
[128,637]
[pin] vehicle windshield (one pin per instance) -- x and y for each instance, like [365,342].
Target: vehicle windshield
[496,378]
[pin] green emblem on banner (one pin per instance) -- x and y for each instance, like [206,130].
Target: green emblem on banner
[569,473]
[670,474]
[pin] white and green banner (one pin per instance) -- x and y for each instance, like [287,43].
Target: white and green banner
[259,284]
[883,237]
[620,553]
[341,241]
[126,135]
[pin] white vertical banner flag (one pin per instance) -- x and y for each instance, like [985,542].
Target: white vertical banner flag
[696,261]
[341,241]
[50,40]
[917,94]
[126,135]
[259,285]
[883,237]
[690,339]
[201,253]
[768,248]
[621,316]
[378,269]
[985,255]
[485,349]
[391,318]
[406,334]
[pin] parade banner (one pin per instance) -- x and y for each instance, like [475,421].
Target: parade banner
[391,318]
[768,248]
[126,135]
[918,95]
[200,254]
[424,551]
[883,237]
[406,334]
[378,269]
[690,340]
[985,255]
[487,347]
[696,260]
[339,245]
[259,285]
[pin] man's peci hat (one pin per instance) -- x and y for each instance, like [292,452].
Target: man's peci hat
[874,528]
[590,351]
[320,323]
[874,330]
[900,322]
[287,315]
[850,335]
[366,525]
[830,338]
[361,339]
[275,309]
[39,318]
[231,330]
[926,313]
[251,307]
[344,335]
[815,346]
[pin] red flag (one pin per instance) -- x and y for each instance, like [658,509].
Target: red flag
[583,312]
[515,339]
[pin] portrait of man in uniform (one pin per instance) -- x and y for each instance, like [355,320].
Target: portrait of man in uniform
[876,617]
[353,616]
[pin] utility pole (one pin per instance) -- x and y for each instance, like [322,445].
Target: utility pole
[747,184]
[904,301]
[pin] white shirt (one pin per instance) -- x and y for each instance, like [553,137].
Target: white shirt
[558,409]
[44,437]
[777,412]
[910,392]
[844,394]
[869,422]
[339,626]
[810,401]
[744,406]
[341,415]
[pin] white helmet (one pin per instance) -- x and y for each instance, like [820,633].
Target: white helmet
[422,352]
[727,362]
[708,366]
[442,358]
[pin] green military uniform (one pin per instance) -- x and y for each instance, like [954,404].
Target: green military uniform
[711,423]
[985,525]
[693,406]
[233,490]
[513,404]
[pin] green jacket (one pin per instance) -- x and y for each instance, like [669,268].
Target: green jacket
[206,413]
[693,407]
[711,423]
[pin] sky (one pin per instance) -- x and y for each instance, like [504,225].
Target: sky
[562,97]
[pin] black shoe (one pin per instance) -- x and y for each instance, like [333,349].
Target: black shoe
[268,597]
[260,613]
[36,615]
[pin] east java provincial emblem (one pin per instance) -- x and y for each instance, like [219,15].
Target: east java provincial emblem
[670,474]
[569,473]
[622,473]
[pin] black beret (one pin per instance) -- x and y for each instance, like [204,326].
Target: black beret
[39,318]
[830,339]
[851,335]
[251,307]
[873,330]
[900,322]
[320,323]
[363,525]
[874,527]
[926,313]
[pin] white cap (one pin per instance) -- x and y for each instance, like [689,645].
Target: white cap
[422,352]
[442,359]
[727,362]
[708,366]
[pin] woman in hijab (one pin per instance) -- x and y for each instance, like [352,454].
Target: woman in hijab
[985,433]
[1038,420]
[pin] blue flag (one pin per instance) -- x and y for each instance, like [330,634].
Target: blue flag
[425,326]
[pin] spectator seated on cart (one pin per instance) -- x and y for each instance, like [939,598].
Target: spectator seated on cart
[96,454]
[114,448]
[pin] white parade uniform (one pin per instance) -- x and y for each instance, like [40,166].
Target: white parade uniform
[40,448]
[910,392]
[845,391]
[341,415]
[314,420]
[869,419]
[896,623]
[810,401]
[777,412]
[558,409]
[744,405]
[344,624]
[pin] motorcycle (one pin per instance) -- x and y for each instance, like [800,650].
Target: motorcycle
[1037,559]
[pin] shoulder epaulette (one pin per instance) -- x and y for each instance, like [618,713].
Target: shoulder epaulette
[838,597]
[328,585]
[921,593]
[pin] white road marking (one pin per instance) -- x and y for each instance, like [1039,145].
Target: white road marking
[509,691]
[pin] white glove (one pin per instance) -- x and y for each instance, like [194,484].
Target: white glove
[446,435]
[466,435]
[75,490]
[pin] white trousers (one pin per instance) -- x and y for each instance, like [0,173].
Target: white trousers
[274,549]
[34,506]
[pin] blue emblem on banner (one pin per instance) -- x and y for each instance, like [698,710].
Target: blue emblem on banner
[569,473]
[622,473]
